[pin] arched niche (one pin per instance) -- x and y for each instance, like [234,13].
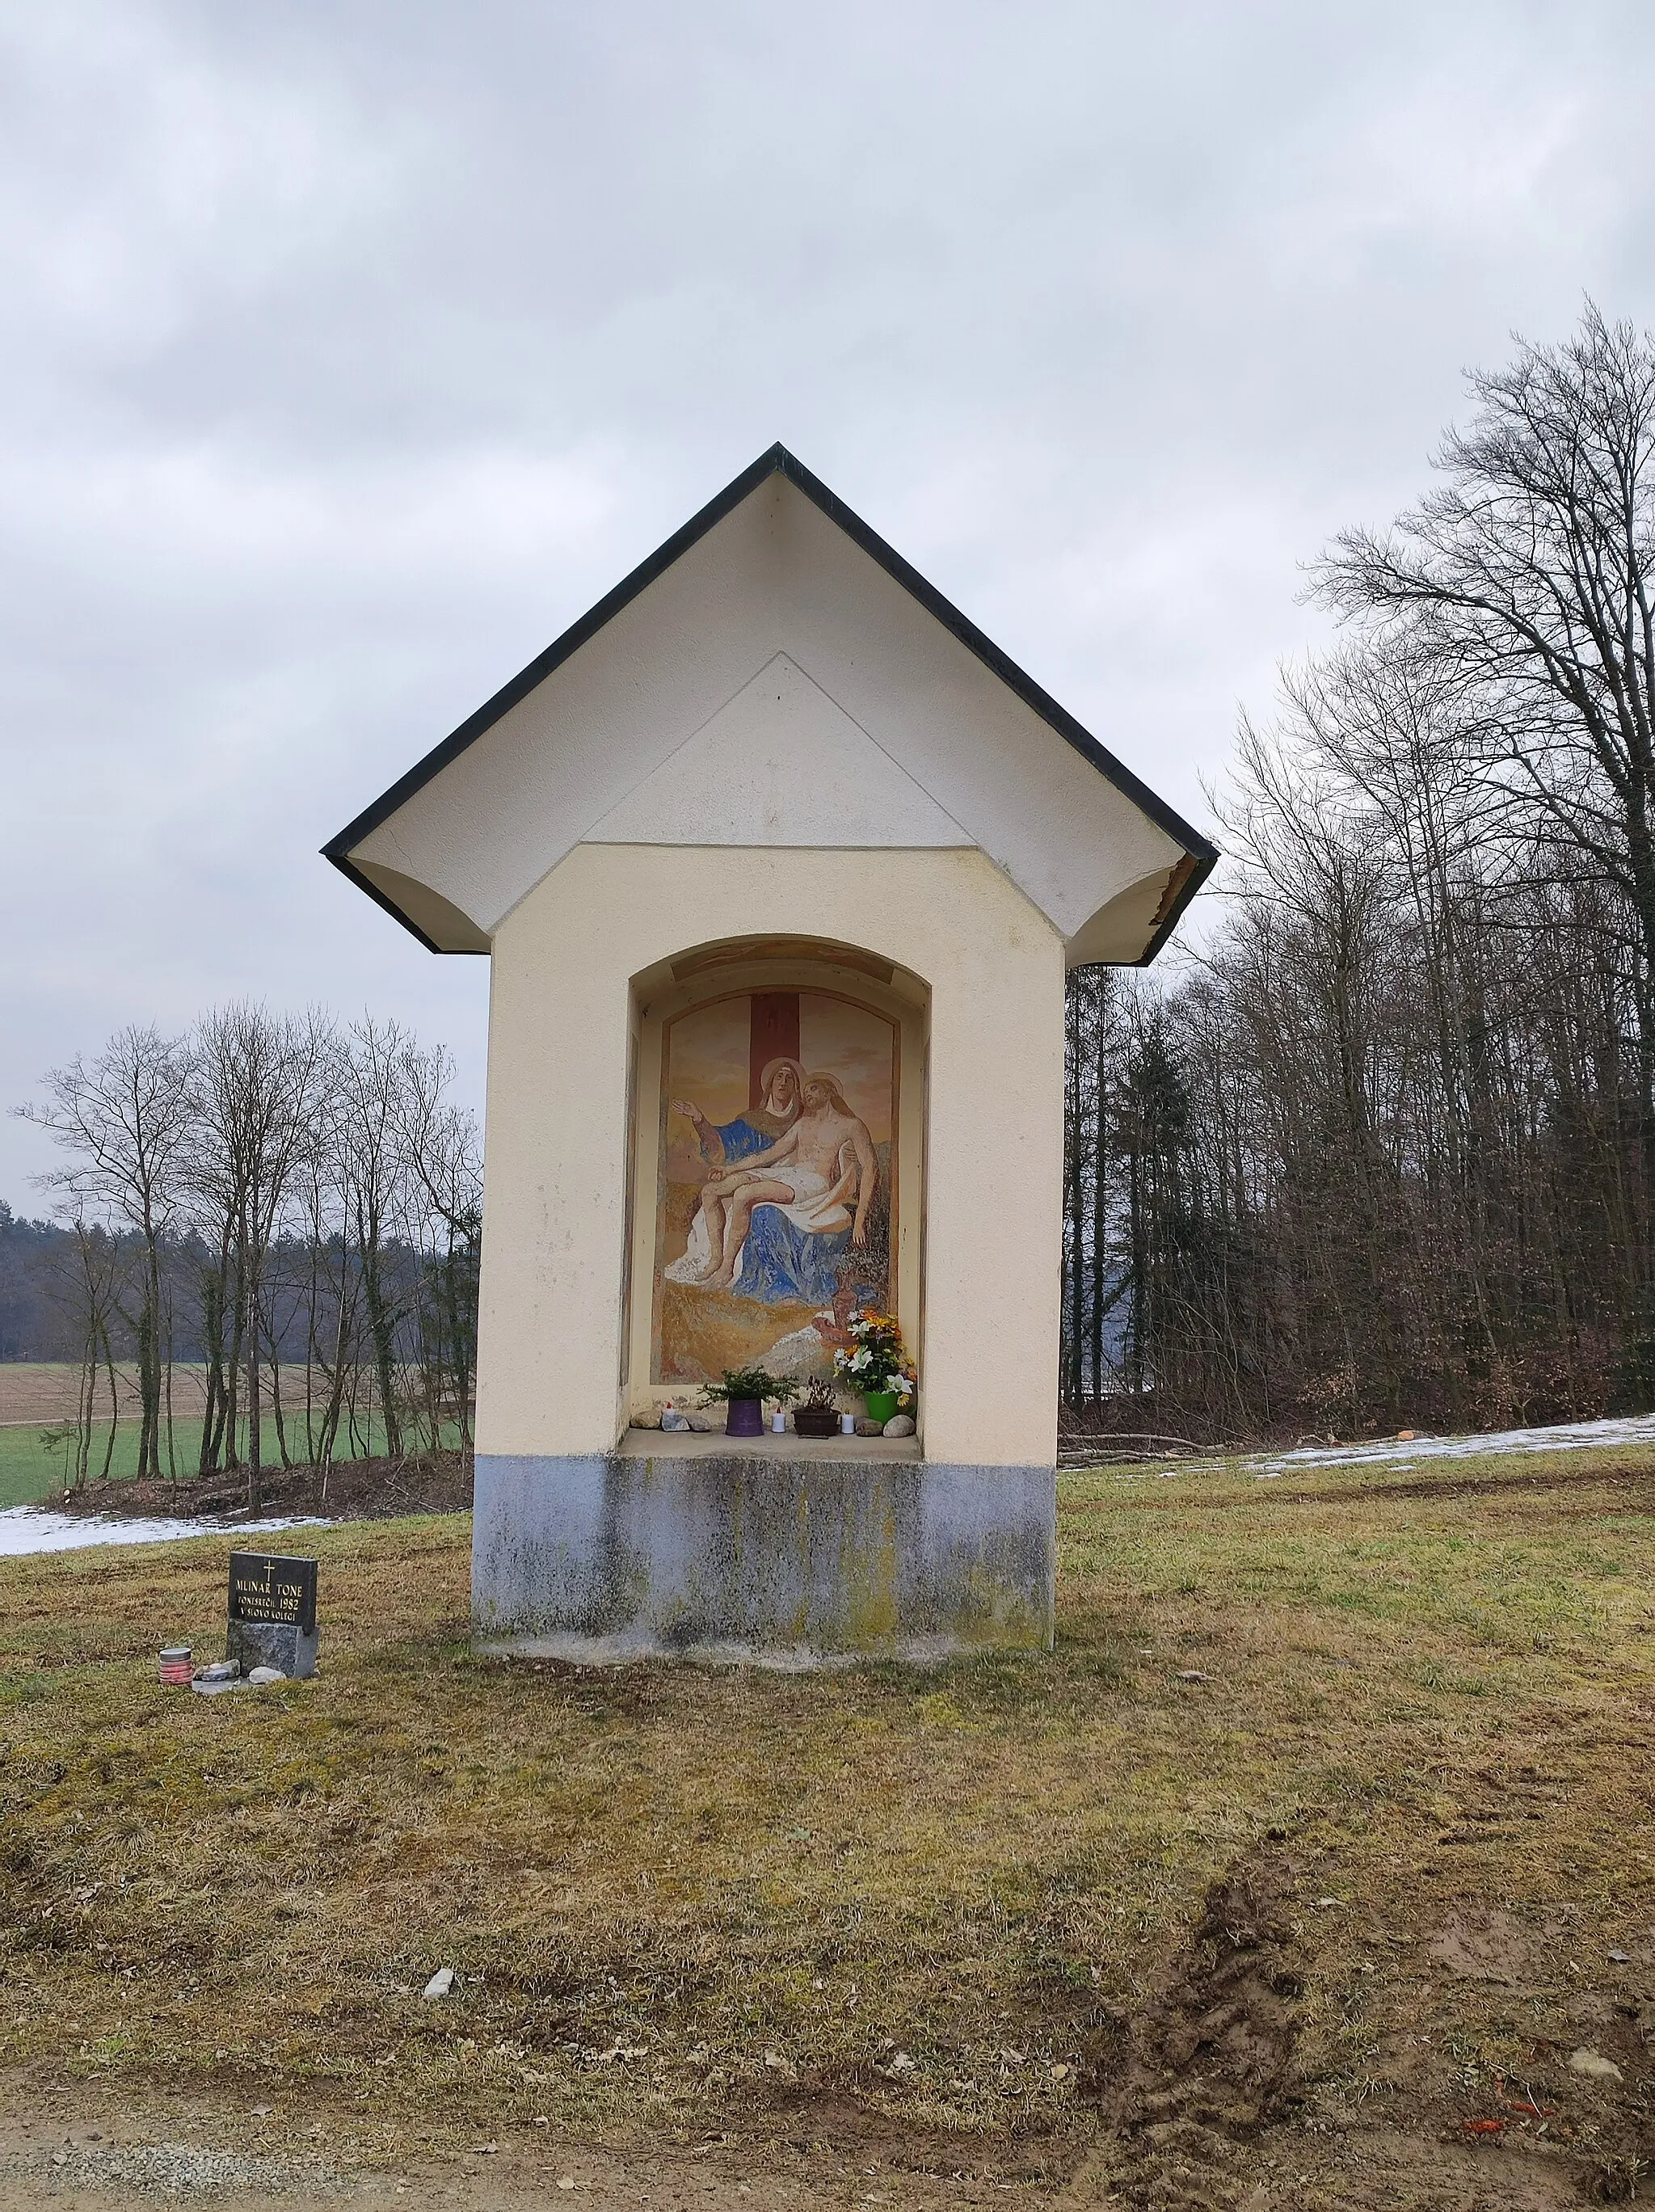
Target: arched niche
[732,1030]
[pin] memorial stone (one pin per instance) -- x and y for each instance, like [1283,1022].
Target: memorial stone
[272,1613]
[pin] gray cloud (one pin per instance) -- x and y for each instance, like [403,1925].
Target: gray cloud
[349,354]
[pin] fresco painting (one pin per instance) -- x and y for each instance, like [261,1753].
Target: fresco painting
[777,1184]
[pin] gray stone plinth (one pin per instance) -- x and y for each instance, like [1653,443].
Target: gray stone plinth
[724,1553]
[272,1643]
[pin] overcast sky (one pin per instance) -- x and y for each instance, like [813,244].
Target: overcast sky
[348,352]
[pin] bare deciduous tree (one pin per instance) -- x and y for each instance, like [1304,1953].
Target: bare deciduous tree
[1528,576]
[124,1121]
[301,1196]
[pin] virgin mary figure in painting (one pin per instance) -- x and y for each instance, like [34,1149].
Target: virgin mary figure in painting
[780,1084]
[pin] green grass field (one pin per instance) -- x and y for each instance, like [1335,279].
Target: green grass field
[29,1472]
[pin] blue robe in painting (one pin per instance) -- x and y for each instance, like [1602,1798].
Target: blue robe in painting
[782,1263]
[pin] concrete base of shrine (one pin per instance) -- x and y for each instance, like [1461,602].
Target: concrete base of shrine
[783,1552]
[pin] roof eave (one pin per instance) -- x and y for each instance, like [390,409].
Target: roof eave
[347,866]
[1204,864]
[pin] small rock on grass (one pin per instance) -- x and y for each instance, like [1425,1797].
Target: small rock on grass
[441,1983]
[1595,2066]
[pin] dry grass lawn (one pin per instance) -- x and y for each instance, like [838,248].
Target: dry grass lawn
[934,1905]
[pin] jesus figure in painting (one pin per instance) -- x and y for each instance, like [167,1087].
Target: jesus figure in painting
[807,1175]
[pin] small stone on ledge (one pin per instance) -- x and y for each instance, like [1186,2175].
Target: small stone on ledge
[901,1424]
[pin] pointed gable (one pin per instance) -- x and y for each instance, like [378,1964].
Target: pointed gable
[776,675]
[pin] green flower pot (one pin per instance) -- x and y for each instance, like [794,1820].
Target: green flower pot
[882,1405]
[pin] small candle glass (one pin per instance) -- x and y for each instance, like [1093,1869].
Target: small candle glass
[847,1424]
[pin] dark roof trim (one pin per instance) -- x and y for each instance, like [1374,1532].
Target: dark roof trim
[347,866]
[1200,867]
[778,461]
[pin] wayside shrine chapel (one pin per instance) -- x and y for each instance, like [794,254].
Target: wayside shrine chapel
[776,857]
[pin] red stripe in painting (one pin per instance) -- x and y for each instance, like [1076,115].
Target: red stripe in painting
[774,1035]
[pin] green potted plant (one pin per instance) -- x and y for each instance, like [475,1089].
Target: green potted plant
[818,1416]
[742,1392]
[877,1363]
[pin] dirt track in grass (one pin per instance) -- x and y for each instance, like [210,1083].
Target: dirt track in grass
[1294,1878]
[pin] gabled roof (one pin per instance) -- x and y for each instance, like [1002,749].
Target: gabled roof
[441,922]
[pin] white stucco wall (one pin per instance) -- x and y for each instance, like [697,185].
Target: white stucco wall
[555,1219]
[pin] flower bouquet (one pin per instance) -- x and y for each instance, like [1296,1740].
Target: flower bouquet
[877,1363]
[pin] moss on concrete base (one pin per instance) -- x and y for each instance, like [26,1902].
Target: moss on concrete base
[784,1561]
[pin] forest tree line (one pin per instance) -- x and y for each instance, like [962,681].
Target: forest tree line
[296,1204]
[1381,1151]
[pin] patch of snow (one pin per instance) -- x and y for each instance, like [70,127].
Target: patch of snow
[1388,1451]
[28,1528]
[1566,1435]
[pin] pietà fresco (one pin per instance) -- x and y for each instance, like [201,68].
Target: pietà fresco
[779,1180]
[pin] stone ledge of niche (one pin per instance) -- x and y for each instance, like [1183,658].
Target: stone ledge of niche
[680,1443]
